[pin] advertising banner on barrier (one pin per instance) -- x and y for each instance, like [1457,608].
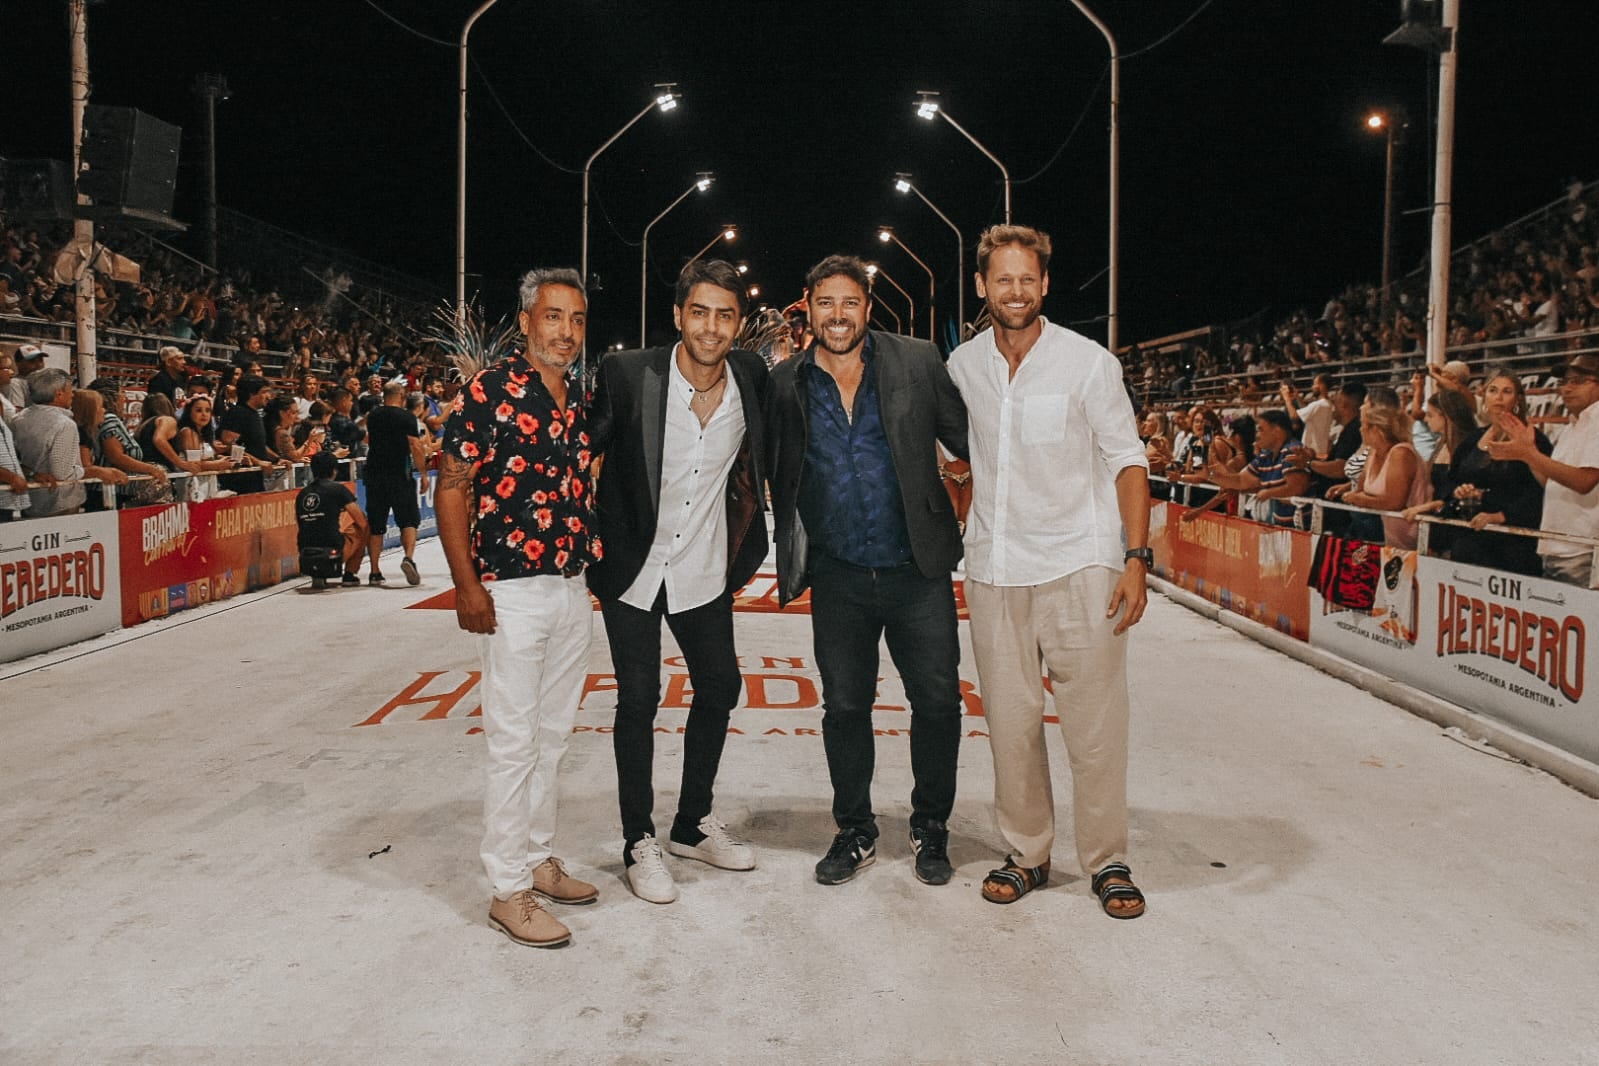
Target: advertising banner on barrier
[182,555]
[59,582]
[1254,570]
[1514,648]
[430,520]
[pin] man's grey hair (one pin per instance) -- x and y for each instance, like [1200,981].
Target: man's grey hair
[534,280]
[43,386]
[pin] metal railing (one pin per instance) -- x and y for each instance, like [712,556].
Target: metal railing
[1318,507]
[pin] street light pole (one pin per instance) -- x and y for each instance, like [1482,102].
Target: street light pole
[211,88]
[701,183]
[885,234]
[876,271]
[1443,190]
[82,229]
[1388,125]
[666,99]
[727,233]
[460,173]
[928,106]
[1111,322]
[903,183]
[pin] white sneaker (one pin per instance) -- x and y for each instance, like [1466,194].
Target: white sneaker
[718,849]
[648,877]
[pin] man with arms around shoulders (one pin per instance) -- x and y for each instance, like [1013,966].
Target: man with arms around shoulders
[1056,554]
[682,516]
[517,454]
[394,450]
[863,518]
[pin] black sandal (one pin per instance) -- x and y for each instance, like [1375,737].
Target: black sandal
[1011,882]
[1106,891]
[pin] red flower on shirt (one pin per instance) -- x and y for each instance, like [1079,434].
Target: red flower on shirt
[534,549]
[468,450]
[486,505]
[544,518]
[515,537]
[561,557]
[506,486]
[574,523]
[476,389]
[516,464]
[527,424]
[504,412]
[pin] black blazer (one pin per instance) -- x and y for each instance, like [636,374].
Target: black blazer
[919,406]
[627,422]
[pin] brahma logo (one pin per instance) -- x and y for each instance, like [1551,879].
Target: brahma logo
[164,532]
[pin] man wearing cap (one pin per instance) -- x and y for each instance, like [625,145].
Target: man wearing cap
[29,360]
[1569,474]
[173,376]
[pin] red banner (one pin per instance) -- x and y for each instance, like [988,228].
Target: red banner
[1255,570]
[182,555]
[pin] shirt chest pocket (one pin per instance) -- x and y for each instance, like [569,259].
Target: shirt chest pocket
[1044,419]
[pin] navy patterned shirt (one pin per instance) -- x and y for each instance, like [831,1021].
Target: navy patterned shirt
[849,494]
[535,510]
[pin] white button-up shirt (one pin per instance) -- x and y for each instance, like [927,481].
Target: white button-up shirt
[689,552]
[1565,510]
[1046,448]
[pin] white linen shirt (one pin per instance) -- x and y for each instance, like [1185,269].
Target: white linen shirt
[1046,448]
[1566,511]
[689,552]
[1318,419]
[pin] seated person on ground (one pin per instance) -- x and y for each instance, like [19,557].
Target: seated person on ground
[332,526]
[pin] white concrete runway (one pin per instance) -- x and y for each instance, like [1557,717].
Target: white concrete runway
[209,858]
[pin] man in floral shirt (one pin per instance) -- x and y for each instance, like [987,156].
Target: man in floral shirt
[517,459]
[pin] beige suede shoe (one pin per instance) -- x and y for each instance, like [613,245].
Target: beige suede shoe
[551,881]
[524,920]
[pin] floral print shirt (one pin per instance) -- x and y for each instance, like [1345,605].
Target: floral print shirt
[533,490]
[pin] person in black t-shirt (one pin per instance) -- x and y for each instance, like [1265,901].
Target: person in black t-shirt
[394,450]
[329,517]
[173,375]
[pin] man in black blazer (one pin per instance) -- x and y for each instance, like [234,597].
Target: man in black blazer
[864,520]
[683,525]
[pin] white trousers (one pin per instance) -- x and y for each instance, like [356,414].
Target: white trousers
[534,664]
[1018,634]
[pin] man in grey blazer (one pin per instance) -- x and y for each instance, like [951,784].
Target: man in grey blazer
[864,520]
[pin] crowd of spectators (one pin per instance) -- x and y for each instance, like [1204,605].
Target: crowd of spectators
[321,323]
[1535,280]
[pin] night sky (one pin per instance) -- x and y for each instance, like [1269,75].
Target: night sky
[1248,179]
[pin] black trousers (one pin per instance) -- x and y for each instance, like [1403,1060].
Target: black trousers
[852,608]
[705,634]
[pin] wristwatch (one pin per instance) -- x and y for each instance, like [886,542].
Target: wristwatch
[1143,555]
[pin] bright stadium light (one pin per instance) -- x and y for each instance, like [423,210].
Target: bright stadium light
[902,182]
[885,234]
[928,106]
[701,183]
[665,100]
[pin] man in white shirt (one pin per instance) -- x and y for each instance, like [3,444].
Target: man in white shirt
[1316,415]
[1059,480]
[1569,475]
[682,520]
[47,444]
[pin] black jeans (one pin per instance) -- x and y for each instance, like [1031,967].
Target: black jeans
[705,634]
[851,609]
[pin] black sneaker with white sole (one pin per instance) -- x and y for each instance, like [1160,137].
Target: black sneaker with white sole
[931,846]
[852,851]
